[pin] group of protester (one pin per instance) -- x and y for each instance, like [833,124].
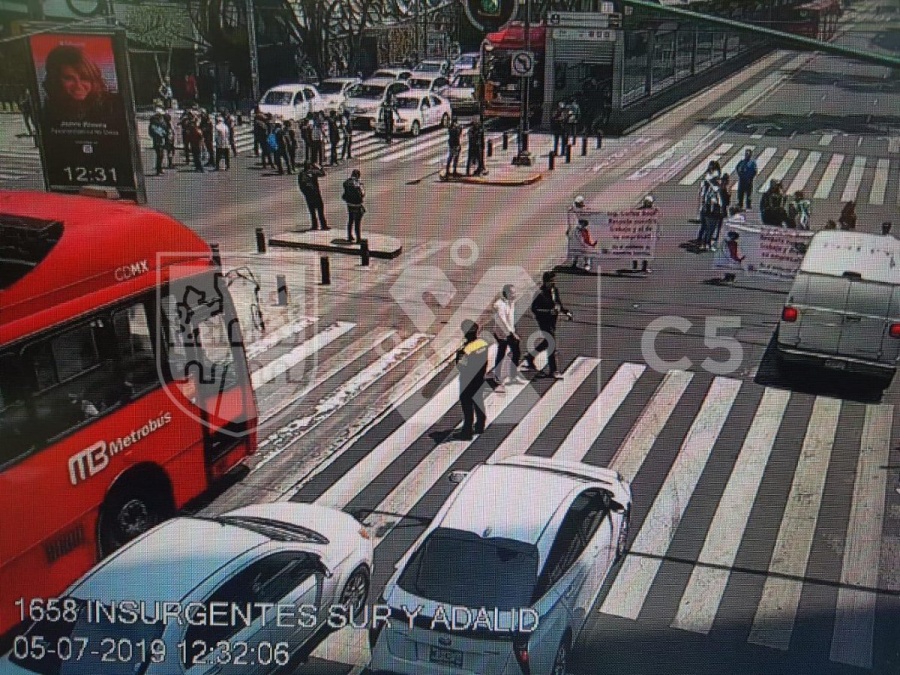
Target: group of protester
[207,140]
[475,136]
[278,143]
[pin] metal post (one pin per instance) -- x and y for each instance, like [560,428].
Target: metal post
[551,160]
[364,251]
[490,148]
[568,154]
[583,146]
[505,140]
[260,240]
[254,51]
[599,139]
[325,264]
[216,255]
[523,157]
[281,284]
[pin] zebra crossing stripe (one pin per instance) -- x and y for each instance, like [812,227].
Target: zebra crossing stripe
[275,337]
[704,591]
[802,177]
[777,609]
[354,481]
[597,416]
[764,158]
[302,351]
[782,169]
[417,146]
[854,623]
[854,180]
[646,430]
[828,178]
[879,184]
[632,584]
[700,169]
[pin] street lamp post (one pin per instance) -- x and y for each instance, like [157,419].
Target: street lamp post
[254,53]
[523,157]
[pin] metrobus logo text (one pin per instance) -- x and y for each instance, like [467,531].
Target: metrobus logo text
[126,272]
[93,459]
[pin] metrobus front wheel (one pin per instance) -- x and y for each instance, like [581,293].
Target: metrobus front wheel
[131,509]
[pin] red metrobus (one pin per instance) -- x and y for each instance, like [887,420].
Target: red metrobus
[124,386]
[502,91]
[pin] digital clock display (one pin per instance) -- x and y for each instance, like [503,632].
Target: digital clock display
[107,175]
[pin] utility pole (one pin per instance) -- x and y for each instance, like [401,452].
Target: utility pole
[523,158]
[254,51]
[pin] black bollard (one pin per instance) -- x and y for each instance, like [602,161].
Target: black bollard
[505,140]
[364,251]
[551,160]
[599,140]
[260,240]
[490,149]
[568,154]
[325,264]
[281,283]
[583,146]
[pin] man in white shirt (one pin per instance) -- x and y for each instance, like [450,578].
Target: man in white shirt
[223,143]
[505,370]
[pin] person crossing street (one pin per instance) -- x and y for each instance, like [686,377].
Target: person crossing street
[471,362]
[454,147]
[546,307]
[505,370]
[354,195]
[476,149]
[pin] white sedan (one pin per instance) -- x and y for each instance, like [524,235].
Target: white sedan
[291,101]
[416,112]
[334,92]
[246,592]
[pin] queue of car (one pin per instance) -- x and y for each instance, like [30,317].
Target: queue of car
[416,111]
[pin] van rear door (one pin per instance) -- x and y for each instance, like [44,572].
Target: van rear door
[821,313]
[865,320]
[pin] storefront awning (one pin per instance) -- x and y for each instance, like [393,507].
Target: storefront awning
[513,37]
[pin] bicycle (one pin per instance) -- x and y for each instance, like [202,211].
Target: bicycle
[246,274]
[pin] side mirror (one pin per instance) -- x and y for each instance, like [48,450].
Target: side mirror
[327,573]
[457,477]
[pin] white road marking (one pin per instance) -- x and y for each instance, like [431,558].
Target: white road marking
[854,621]
[802,177]
[418,145]
[632,584]
[782,168]
[826,139]
[597,416]
[656,162]
[302,351]
[697,172]
[646,430]
[272,339]
[764,158]
[777,609]
[879,183]
[828,178]
[854,179]
[704,591]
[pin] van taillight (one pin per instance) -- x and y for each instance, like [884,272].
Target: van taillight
[894,330]
[789,314]
[520,648]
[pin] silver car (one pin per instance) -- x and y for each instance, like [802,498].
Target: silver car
[502,580]
[246,592]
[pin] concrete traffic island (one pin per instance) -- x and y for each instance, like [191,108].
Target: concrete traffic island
[503,177]
[334,241]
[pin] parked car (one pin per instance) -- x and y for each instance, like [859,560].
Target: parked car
[364,100]
[468,61]
[433,84]
[843,311]
[417,111]
[301,559]
[536,566]
[401,74]
[291,101]
[462,92]
[433,67]
[334,92]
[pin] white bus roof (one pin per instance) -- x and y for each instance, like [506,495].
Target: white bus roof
[873,257]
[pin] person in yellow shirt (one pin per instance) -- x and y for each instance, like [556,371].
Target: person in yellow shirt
[471,362]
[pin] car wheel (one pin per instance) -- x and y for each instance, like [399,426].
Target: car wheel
[561,661]
[622,541]
[445,120]
[356,591]
[415,129]
[127,514]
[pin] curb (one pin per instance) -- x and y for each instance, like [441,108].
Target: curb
[502,182]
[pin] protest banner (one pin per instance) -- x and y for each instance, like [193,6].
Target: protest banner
[761,251]
[603,236]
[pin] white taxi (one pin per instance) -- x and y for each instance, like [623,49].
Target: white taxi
[416,111]
[291,101]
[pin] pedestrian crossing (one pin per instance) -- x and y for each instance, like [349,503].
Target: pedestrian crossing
[18,164]
[584,409]
[860,178]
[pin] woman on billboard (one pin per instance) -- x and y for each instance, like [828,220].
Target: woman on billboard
[76,90]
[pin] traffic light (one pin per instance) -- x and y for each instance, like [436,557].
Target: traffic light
[489,8]
[489,15]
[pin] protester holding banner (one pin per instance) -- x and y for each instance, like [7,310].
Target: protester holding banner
[770,252]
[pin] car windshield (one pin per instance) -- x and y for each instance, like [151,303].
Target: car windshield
[385,73]
[462,569]
[429,67]
[465,81]
[330,87]
[76,647]
[408,103]
[372,91]
[419,83]
[278,98]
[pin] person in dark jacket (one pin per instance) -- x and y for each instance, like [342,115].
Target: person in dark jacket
[546,307]
[354,194]
[158,135]
[334,136]
[454,146]
[290,140]
[347,126]
[471,362]
[194,139]
[308,182]
[281,152]
[207,130]
[476,148]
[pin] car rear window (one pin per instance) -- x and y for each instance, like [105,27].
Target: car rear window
[462,569]
[330,87]
[278,98]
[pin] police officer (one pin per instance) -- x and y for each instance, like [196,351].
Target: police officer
[546,307]
[471,362]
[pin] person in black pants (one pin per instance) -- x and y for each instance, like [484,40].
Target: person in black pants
[308,182]
[546,308]
[347,124]
[354,194]
[471,362]
[334,136]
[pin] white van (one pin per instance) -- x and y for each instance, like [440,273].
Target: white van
[843,311]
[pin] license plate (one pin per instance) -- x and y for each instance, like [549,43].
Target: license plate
[446,657]
[836,364]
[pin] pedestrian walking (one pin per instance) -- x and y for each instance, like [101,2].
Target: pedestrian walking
[165,93]
[557,128]
[27,113]
[847,219]
[454,147]
[573,119]
[388,111]
[476,148]
[207,129]
[157,131]
[194,140]
[746,171]
[170,140]
[282,160]
[260,132]
[347,126]
[229,121]
[334,136]
[291,142]
[713,171]
[354,195]
[317,140]
[308,183]
[647,204]
[471,362]
[506,370]
[711,215]
[223,147]
[546,307]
